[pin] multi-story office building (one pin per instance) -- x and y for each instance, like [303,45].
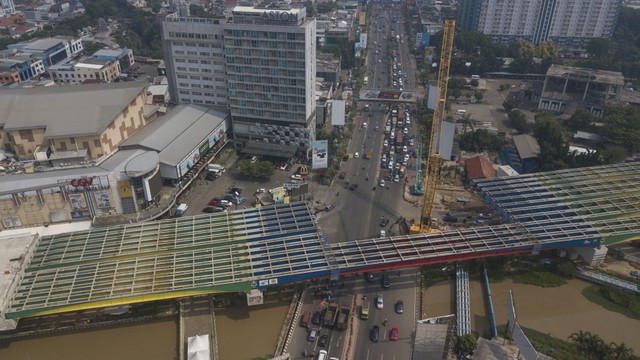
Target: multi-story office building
[7,8]
[260,65]
[271,70]
[568,23]
[194,58]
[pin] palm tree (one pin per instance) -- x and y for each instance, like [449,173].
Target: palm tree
[466,122]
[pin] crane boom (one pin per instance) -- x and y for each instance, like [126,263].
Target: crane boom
[434,160]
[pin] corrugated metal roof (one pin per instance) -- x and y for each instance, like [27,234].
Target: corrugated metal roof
[527,146]
[174,135]
[66,110]
[446,139]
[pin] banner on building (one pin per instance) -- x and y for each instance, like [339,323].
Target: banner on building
[103,200]
[320,156]
[78,202]
[124,188]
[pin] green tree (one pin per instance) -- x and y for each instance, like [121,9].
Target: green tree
[581,120]
[262,170]
[518,121]
[326,7]
[456,83]
[456,93]
[474,83]
[611,154]
[466,344]
[478,95]
[509,104]
[600,47]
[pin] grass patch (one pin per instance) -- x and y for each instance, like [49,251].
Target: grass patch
[549,345]
[540,278]
[614,300]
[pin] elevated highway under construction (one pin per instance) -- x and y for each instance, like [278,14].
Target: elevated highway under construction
[259,248]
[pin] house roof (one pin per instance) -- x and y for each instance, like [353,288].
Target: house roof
[176,134]
[527,146]
[479,167]
[446,139]
[66,111]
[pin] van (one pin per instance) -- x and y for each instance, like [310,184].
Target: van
[182,208]
[322,355]
[475,77]
[461,112]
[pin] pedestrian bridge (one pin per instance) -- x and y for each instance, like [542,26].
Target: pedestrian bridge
[279,244]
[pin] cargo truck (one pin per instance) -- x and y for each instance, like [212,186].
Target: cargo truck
[330,315]
[345,311]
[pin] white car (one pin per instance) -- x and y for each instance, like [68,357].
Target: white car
[396,178]
[383,233]
[356,155]
[261,191]
[364,125]
[379,302]
[385,143]
[411,142]
[405,131]
[382,183]
[296,177]
[406,157]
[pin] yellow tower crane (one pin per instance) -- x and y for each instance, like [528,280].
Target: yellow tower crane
[434,161]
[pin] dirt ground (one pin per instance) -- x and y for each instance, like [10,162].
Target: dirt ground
[619,267]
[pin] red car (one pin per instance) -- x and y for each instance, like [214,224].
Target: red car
[214,202]
[394,334]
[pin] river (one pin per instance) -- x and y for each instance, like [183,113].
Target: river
[153,340]
[557,311]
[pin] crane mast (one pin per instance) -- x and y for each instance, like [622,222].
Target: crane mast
[434,160]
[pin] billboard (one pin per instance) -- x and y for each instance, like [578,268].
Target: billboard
[320,156]
[78,202]
[337,112]
[388,95]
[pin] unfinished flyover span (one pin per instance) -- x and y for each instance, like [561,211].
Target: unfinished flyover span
[270,246]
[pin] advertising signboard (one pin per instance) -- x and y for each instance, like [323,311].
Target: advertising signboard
[320,156]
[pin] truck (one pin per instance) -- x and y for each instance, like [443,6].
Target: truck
[306,317]
[399,139]
[401,115]
[215,169]
[331,315]
[364,310]
[345,311]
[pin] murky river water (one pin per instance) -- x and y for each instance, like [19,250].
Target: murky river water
[558,311]
[154,340]
[244,334]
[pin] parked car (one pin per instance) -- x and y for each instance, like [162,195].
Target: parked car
[209,209]
[261,191]
[356,155]
[382,184]
[225,203]
[317,317]
[214,202]
[235,190]
[353,186]
[383,221]
[182,208]
[313,334]
[399,307]
[368,276]
[329,207]
[296,177]
[379,302]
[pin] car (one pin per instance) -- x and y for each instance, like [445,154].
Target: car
[383,234]
[329,207]
[364,125]
[411,142]
[239,200]
[296,177]
[317,318]
[356,155]
[376,128]
[385,143]
[235,190]
[406,157]
[322,341]
[313,334]
[353,186]
[254,159]
[261,191]
[396,179]
[390,166]
[283,167]
[214,202]
[382,184]
[368,276]
[225,203]
[397,165]
[209,210]
[399,307]
[375,334]
[405,149]
[394,334]
[385,281]
[182,208]
[383,221]
[405,131]
[379,302]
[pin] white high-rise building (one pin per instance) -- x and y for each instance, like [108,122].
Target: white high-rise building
[7,8]
[260,64]
[569,23]
[193,55]
[271,71]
